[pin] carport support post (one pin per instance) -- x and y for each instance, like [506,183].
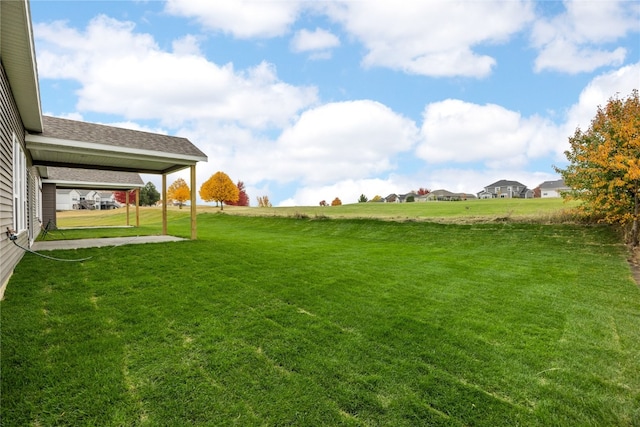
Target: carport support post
[164,204]
[138,207]
[193,203]
[126,201]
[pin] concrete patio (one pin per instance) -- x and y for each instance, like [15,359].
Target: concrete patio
[98,243]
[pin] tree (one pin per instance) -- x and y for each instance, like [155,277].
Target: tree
[243,198]
[219,188]
[179,192]
[336,202]
[423,191]
[149,195]
[264,202]
[604,165]
[376,198]
[121,197]
[363,199]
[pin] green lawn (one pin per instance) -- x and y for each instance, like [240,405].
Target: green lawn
[285,321]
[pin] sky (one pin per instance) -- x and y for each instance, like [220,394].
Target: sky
[306,101]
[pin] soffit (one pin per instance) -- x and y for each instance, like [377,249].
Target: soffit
[18,59]
[90,179]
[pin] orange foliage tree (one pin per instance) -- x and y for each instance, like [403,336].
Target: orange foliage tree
[179,192]
[219,188]
[336,202]
[604,169]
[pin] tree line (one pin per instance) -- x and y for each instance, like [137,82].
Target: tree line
[218,188]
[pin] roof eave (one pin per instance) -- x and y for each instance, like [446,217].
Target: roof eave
[91,185]
[19,61]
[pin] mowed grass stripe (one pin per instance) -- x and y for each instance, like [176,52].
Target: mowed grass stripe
[270,321]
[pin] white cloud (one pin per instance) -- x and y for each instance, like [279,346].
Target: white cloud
[318,40]
[462,132]
[575,41]
[603,87]
[434,38]
[188,45]
[123,72]
[336,141]
[241,18]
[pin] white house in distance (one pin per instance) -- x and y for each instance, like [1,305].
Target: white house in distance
[67,200]
[553,188]
[89,189]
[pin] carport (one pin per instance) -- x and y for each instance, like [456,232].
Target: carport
[54,178]
[75,145]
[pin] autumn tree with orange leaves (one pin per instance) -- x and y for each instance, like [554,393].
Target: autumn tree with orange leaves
[179,192]
[219,188]
[604,169]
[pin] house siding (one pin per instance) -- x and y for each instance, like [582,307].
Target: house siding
[10,124]
[48,203]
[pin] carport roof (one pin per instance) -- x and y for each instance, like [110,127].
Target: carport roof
[74,144]
[91,179]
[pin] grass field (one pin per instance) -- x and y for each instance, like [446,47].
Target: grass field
[471,211]
[300,320]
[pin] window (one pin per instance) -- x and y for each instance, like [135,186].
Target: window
[19,187]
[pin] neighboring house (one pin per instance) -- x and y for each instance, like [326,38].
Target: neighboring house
[402,198]
[75,187]
[505,189]
[32,145]
[553,188]
[444,195]
[64,199]
[108,200]
[392,198]
[67,200]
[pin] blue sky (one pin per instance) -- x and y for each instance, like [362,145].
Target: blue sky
[308,101]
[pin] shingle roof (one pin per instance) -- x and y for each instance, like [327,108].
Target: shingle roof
[553,184]
[505,183]
[55,127]
[92,178]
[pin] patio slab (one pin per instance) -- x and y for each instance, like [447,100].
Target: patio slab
[99,243]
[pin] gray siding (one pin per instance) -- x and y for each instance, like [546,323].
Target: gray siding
[10,123]
[48,203]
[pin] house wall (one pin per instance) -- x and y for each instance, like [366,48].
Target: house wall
[548,193]
[48,203]
[63,200]
[10,124]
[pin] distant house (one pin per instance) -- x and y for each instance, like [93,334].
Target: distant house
[444,195]
[108,200]
[553,188]
[392,198]
[403,198]
[76,188]
[505,189]
[78,199]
